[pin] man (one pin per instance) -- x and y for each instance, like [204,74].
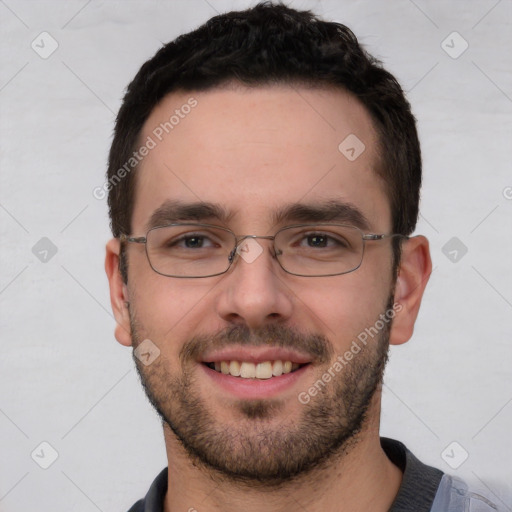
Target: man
[263,184]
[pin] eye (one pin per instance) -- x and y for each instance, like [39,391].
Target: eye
[191,241]
[317,240]
[322,240]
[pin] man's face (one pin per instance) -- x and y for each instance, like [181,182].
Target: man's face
[256,152]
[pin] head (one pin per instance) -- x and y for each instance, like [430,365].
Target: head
[243,122]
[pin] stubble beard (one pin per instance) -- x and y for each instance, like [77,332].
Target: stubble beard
[264,446]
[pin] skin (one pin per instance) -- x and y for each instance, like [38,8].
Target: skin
[253,150]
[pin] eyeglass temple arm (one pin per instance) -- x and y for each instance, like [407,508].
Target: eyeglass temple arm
[137,240]
[372,236]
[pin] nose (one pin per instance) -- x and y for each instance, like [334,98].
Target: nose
[253,291]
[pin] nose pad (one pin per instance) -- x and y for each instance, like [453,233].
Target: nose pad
[233,254]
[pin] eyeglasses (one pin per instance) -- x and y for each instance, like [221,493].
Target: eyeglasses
[191,250]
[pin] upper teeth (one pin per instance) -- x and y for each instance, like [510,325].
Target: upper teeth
[248,370]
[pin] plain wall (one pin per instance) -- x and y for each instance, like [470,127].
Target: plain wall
[63,377]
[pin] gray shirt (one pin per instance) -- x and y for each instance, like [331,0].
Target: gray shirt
[423,489]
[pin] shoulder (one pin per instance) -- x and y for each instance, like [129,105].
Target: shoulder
[428,489]
[454,495]
[154,500]
[137,507]
[419,481]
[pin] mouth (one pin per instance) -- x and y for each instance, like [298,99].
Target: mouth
[256,372]
[249,370]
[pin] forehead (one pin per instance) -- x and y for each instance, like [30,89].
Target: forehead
[254,150]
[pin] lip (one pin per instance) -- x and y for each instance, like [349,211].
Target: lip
[255,388]
[255,355]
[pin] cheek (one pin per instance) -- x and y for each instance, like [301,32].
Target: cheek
[168,309]
[342,307]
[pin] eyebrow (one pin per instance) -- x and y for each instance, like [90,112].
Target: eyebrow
[327,211]
[179,211]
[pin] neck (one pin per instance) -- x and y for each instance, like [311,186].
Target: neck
[359,479]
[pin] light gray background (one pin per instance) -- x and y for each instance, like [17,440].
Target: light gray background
[63,377]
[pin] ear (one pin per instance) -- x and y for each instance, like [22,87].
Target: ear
[118,293]
[413,274]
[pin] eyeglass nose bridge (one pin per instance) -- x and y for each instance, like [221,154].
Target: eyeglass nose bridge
[240,239]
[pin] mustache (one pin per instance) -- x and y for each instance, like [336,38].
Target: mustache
[318,347]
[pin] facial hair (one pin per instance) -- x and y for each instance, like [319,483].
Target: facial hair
[264,446]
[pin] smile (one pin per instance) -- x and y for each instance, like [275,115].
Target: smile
[249,370]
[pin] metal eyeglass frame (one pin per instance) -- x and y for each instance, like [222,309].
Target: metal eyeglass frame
[371,237]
